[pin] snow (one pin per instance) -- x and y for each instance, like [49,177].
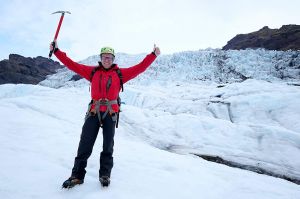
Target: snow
[264,128]
[169,114]
[207,65]
[40,129]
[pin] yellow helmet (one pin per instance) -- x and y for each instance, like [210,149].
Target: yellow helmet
[108,50]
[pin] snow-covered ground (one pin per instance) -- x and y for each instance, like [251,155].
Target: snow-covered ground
[255,122]
[252,122]
[169,114]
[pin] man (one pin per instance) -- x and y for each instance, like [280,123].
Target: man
[106,79]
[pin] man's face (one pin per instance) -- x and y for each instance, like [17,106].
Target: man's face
[107,60]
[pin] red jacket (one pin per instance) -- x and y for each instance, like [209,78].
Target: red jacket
[99,81]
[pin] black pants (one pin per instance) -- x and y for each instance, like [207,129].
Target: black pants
[88,137]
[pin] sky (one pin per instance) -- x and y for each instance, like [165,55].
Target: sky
[134,26]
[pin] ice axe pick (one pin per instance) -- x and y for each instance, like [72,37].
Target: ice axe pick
[58,28]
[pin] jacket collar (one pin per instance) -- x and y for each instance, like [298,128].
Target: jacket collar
[113,67]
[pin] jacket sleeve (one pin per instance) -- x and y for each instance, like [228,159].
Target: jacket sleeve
[82,70]
[133,71]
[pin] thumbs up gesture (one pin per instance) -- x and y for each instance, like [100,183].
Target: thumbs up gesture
[156,50]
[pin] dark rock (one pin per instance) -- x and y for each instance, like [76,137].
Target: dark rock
[26,70]
[256,169]
[75,78]
[285,38]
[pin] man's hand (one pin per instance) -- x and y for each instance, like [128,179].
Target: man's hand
[156,50]
[53,45]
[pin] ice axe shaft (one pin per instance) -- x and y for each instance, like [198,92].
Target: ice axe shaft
[59,25]
[58,28]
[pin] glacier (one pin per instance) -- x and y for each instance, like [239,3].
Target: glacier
[186,104]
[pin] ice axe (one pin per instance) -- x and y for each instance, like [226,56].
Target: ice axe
[58,28]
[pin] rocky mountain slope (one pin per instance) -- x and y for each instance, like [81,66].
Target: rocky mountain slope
[285,38]
[19,69]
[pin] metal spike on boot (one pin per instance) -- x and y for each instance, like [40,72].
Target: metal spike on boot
[71,182]
[105,181]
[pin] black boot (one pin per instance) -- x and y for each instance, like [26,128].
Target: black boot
[105,181]
[71,182]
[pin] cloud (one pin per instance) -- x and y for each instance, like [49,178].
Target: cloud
[133,26]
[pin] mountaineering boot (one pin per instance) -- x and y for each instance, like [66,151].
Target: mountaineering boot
[71,182]
[105,181]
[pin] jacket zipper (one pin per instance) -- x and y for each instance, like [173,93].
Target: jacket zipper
[100,83]
[108,84]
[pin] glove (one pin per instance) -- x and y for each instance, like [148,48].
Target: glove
[53,45]
[156,50]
